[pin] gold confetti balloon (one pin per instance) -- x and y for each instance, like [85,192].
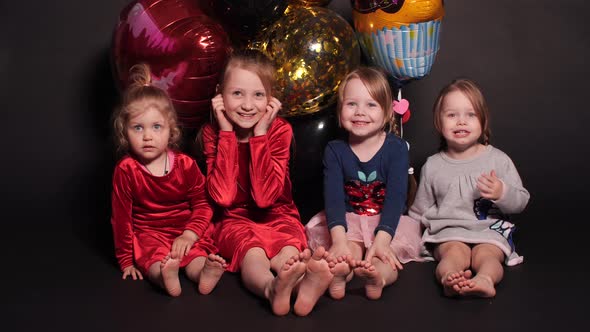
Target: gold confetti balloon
[311,3]
[313,49]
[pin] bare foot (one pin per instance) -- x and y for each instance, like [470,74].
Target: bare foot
[315,282]
[169,270]
[480,285]
[211,273]
[282,285]
[374,282]
[453,282]
[340,269]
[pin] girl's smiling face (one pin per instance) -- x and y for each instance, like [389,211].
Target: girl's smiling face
[361,116]
[244,98]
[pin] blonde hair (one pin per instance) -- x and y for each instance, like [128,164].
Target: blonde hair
[474,94]
[253,61]
[378,87]
[141,89]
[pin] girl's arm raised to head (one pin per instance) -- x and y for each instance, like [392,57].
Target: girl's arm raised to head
[269,160]
[121,218]
[334,197]
[424,196]
[397,185]
[221,153]
[201,210]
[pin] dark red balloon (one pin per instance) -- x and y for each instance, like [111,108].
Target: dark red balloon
[185,49]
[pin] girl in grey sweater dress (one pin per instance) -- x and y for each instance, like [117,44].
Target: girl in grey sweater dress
[465,196]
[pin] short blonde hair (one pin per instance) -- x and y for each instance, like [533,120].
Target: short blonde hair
[140,89]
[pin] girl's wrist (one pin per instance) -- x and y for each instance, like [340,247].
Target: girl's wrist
[190,235]
[382,237]
[338,235]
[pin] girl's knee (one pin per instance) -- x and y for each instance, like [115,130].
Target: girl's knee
[288,251]
[455,249]
[487,251]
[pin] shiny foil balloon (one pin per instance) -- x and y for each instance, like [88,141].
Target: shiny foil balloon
[401,36]
[311,3]
[313,49]
[311,135]
[245,18]
[185,49]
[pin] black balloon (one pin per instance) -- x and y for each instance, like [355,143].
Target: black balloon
[312,133]
[247,18]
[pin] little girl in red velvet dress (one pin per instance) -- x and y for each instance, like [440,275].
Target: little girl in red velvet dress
[160,212]
[247,152]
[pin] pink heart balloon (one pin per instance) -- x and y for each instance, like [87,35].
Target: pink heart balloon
[400,107]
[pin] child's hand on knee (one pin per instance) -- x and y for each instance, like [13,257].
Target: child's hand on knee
[381,249]
[183,244]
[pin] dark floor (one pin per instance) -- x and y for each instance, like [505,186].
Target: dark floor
[59,271]
[66,279]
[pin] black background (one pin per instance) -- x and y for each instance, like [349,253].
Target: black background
[57,96]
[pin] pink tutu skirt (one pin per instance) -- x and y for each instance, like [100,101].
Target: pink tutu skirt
[406,244]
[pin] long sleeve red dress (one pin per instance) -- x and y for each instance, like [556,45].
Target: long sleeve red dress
[149,212]
[250,182]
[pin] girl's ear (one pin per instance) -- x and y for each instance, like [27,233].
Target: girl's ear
[217,89]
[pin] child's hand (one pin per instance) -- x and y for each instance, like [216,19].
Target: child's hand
[340,250]
[339,246]
[219,113]
[133,272]
[272,109]
[381,249]
[490,186]
[183,244]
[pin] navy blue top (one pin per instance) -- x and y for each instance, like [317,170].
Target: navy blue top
[351,185]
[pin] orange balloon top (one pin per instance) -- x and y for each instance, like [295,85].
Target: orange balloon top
[411,11]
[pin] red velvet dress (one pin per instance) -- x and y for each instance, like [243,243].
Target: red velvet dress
[250,182]
[150,212]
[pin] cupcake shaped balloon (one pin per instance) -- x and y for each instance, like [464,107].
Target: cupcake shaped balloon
[401,36]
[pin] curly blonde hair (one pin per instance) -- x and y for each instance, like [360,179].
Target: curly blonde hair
[140,89]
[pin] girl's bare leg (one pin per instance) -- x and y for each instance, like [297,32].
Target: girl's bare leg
[314,283]
[342,271]
[206,272]
[452,270]
[486,261]
[278,261]
[258,278]
[165,274]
